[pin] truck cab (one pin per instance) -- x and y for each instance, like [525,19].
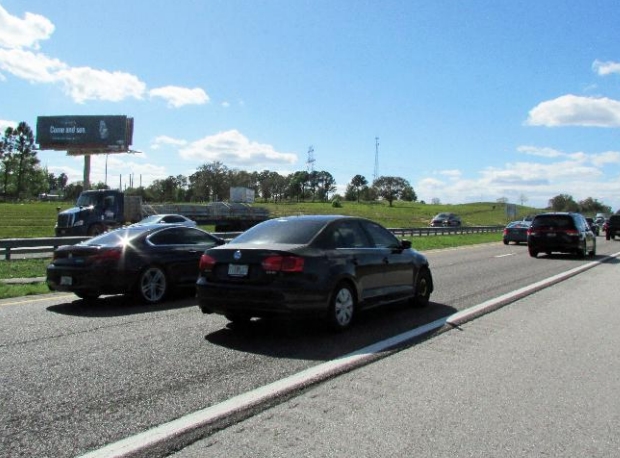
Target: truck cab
[94,212]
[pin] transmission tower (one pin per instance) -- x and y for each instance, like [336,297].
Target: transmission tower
[375,175]
[310,161]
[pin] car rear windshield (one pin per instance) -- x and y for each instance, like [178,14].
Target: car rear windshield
[287,231]
[115,238]
[554,221]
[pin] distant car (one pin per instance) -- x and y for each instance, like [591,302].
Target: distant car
[593,226]
[562,232]
[166,219]
[148,261]
[445,220]
[328,266]
[516,232]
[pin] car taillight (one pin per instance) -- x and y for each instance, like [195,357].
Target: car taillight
[283,264]
[572,232]
[206,262]
[107,255]
[505,231]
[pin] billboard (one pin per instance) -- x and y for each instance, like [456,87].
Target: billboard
[87,134]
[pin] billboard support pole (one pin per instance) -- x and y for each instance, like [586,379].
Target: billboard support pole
[86,172]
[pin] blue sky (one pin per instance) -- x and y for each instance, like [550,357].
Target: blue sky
[471,101]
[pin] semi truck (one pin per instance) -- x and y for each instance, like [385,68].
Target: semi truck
[97,211]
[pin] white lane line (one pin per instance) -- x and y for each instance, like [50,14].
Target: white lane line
[195,420]
[504,255]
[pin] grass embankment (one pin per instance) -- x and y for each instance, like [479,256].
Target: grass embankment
[37,219]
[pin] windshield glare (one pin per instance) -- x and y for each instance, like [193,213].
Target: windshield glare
[287,231]
[87,200]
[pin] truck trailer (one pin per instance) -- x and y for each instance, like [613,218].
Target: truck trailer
[97,211]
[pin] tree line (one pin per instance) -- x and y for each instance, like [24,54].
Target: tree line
[22,177]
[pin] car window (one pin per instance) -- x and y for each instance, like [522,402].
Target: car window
[166,237]
[174,219]
[193,236]
[287,231]
[348,234]
[181,236]
[380,236]
[554,221]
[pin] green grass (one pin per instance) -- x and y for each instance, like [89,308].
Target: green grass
[30,289]
[23,268]
[37,219]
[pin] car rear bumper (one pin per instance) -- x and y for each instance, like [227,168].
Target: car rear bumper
[564,245]
[88,280]
[260,301]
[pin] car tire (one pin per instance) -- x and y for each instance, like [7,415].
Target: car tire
[152,285]
[342,307]
[533,252]
[583,251]
[505,242]
[592,252]
[95,229]
[423,287]
[87,295]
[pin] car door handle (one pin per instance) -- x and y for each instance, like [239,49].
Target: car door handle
[386,261]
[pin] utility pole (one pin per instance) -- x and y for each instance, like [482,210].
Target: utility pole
[376,172]
[310,161]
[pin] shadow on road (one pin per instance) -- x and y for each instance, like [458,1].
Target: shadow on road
[115,306]
[310,339]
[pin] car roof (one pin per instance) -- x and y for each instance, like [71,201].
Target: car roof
[324,218]
[137,230]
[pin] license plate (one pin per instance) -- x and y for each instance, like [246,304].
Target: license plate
[551,234]
[237,270]
[66,281]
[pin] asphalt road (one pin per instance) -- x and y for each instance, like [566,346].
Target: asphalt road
[76,377]
[538,377]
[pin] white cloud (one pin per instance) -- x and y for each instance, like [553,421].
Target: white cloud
[607,157]
[164,140]
[578,174]
[537,151]
[453,174]
[572,110]
[606,68]
[179,96]
[83,83]
[234,149]
[23,33]
[4,124]
[80,83]
[30,66]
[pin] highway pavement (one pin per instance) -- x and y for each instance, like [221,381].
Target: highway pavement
[539,377]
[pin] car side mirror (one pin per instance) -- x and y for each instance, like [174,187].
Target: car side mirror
[405,244]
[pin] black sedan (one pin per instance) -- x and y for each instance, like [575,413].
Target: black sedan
[315,265]
[147,261]
[516,232]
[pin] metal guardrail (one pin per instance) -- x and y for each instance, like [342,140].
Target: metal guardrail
[40,245]
[426,231]
[36,245]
